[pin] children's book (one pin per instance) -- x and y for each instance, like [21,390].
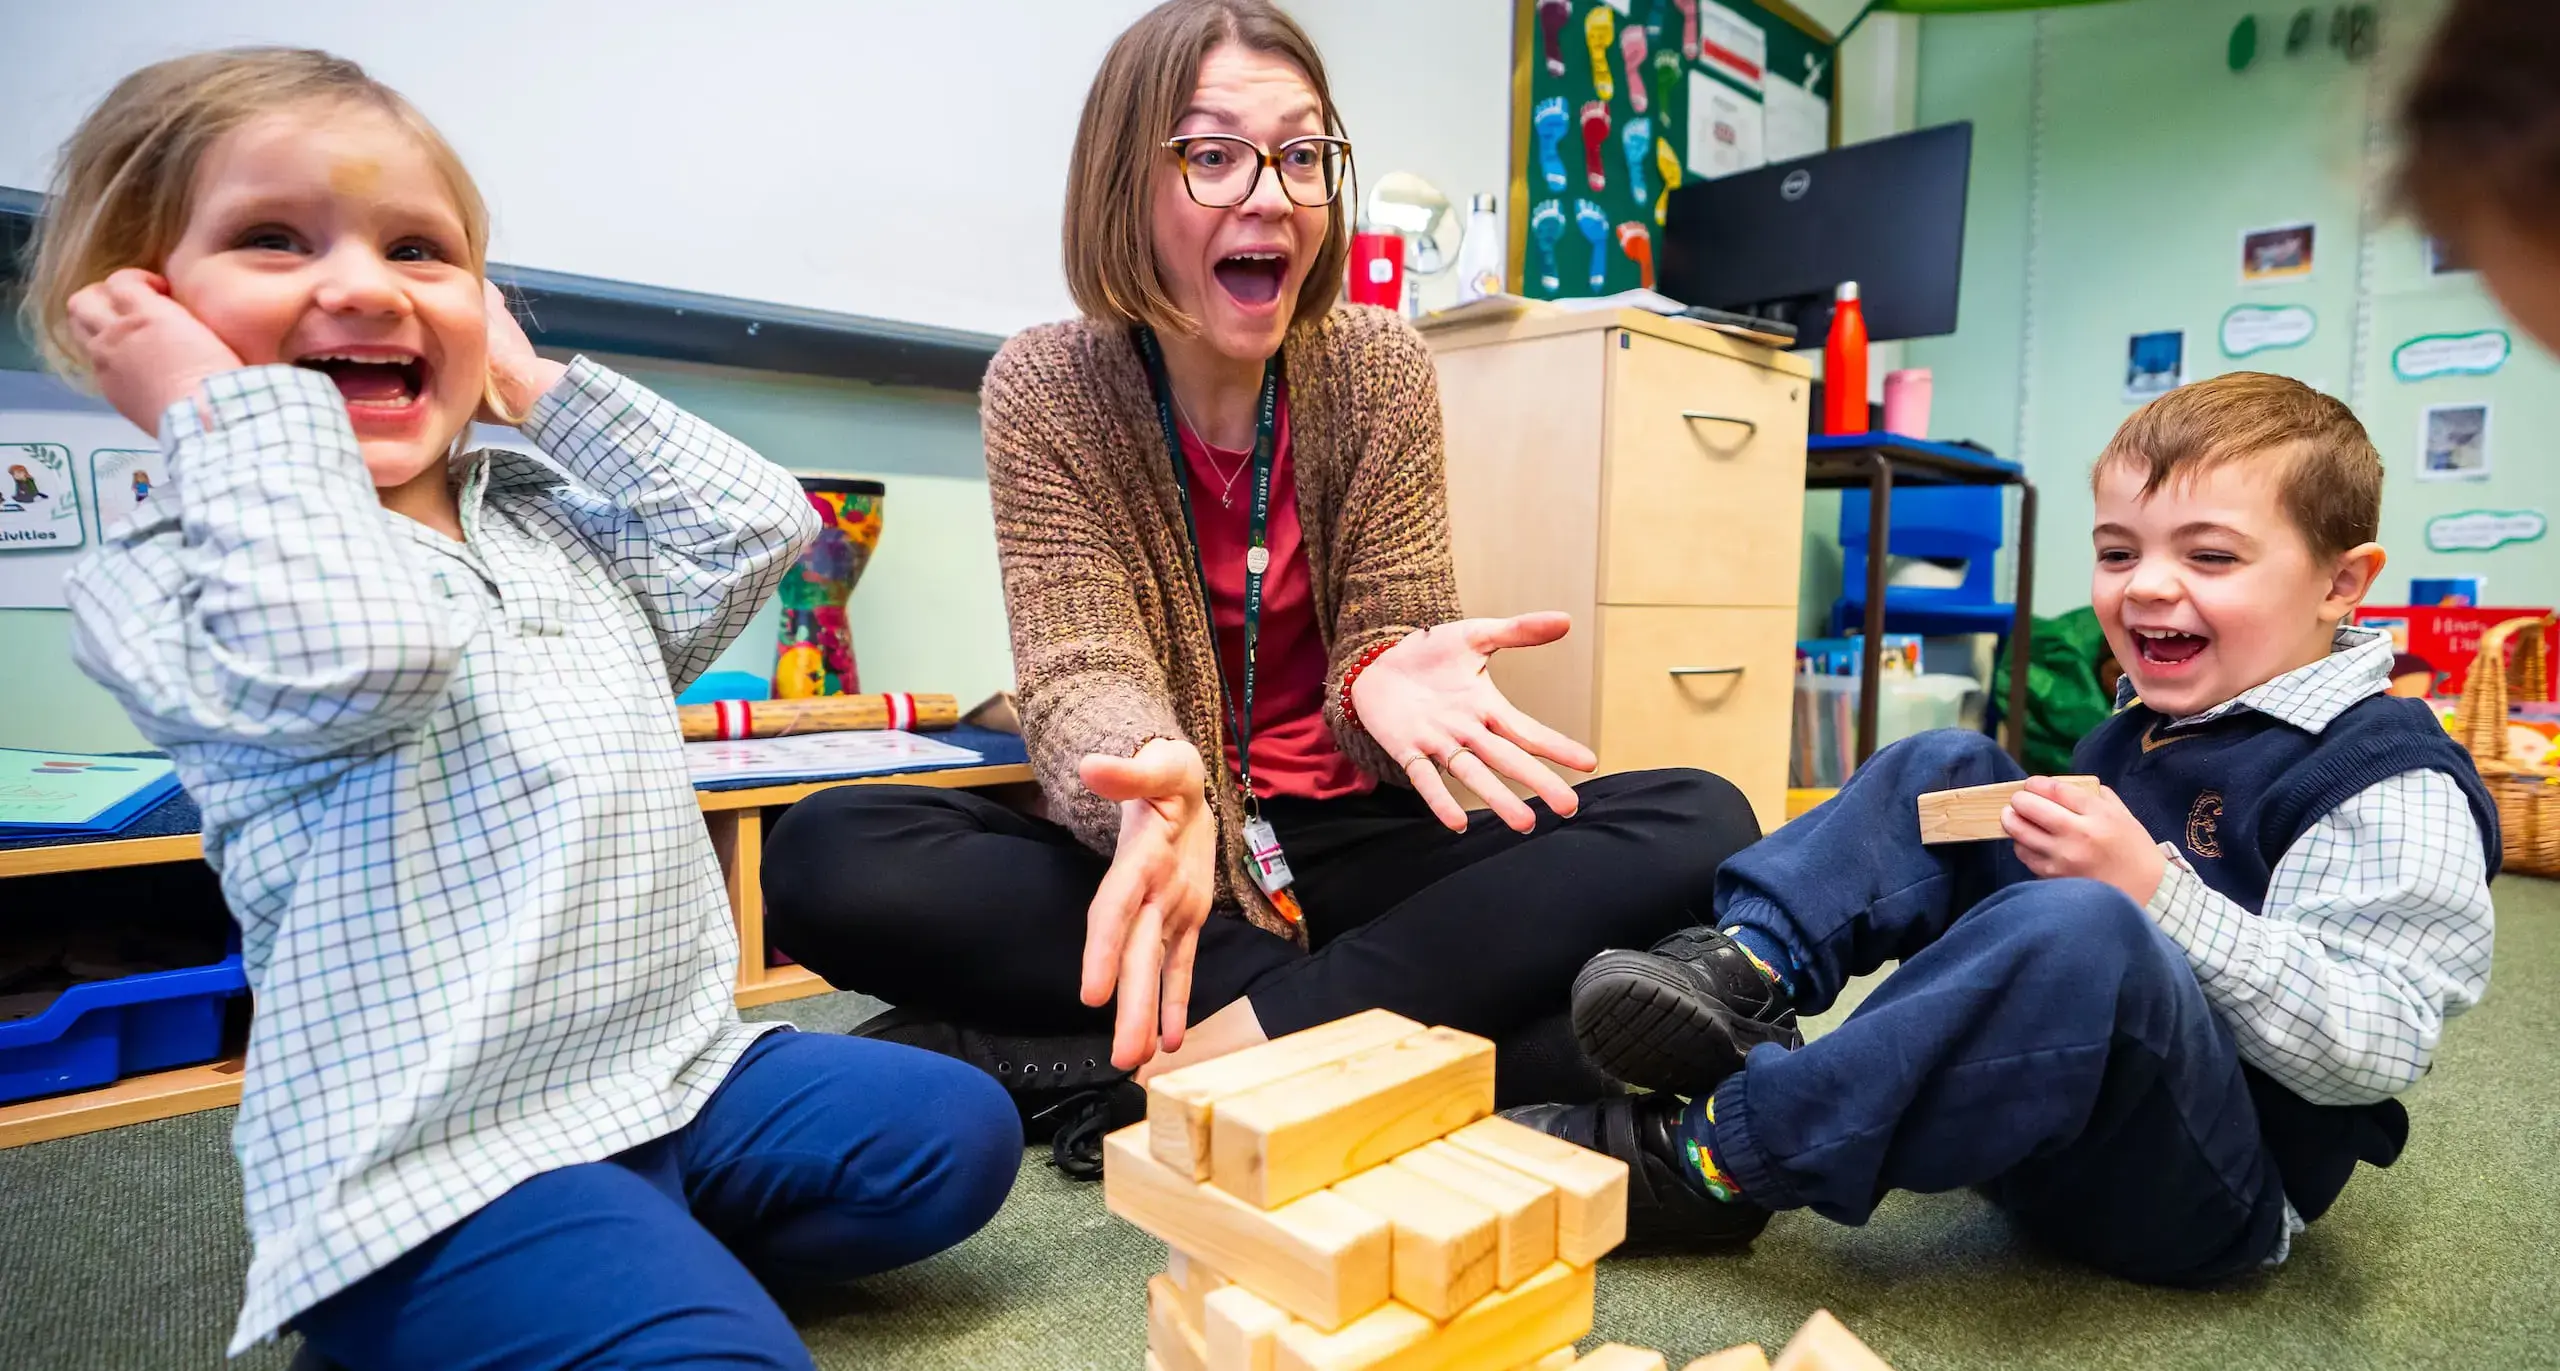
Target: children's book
[72,793]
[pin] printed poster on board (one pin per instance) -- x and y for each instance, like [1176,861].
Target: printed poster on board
[52,438]
[1724,129]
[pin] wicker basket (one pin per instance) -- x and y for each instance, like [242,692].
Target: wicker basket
[2528,797]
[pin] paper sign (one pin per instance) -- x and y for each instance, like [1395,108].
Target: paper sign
[1797,122]
[120,482]
[1724,128]
[2452,354]
[2453,443]
[1731,45]
[2154,364]
[2281,253]
[39,503]
[2479,530]
[2262,328]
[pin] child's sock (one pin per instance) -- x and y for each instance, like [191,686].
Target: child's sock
[1697,1145]
[1766,954]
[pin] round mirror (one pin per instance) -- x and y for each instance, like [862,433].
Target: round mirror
[1404,203]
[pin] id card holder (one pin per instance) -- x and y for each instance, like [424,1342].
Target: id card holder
[1271,866]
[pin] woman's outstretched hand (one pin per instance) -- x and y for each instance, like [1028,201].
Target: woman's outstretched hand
[1144,924]
[1429,702]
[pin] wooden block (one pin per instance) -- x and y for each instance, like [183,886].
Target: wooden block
[1171,1338]
[1322,1258]
[1591,1189]
[1443,1242]
[1524,1207]
[1242,1329]
[1179,1103]
[1824,1345]
[1296,1136]
[1501,1330]
[1617,1356]
[1561,1359]
[1973,813]
[1194,1280]
[1747,1357]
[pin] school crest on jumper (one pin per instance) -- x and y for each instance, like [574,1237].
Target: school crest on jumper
[2204,823]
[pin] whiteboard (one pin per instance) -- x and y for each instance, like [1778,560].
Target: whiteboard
[906,161]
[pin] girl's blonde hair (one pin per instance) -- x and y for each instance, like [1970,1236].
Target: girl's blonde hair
[121,187]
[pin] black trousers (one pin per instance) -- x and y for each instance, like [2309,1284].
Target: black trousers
[949,903]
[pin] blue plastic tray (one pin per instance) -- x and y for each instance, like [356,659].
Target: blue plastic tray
[104,1031]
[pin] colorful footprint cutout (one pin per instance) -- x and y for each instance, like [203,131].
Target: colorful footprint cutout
[1688,27]
[1551,17]
[1666,80]
[1631,46]
[1599,29]
[1594,223]
[1668,163]
[1636,241]
[1547,120]
[1636,141]
[1546,228]
[1595,144]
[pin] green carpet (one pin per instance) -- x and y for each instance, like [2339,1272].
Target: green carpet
[125,1250]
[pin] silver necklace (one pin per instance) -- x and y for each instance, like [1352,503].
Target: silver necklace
[1227,495]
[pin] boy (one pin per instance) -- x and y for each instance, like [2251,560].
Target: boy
[2480,166]
[2163,1022]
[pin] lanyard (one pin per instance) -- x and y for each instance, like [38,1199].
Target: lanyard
[1257,558]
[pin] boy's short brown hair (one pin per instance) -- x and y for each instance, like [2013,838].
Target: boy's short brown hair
[2331,476]
[2480,122]
[1145,81]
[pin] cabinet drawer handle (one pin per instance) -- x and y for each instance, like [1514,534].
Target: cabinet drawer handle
[1752,426]
[1706,671]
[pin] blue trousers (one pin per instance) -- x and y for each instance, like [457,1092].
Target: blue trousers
[2042,1040]
[821,1158]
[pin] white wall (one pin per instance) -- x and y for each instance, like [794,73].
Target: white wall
[810,152]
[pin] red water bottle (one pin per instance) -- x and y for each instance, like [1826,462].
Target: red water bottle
[1844,365]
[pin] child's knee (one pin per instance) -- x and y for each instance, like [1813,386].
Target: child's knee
[1946,758]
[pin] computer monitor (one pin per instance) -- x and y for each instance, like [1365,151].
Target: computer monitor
[1776,241]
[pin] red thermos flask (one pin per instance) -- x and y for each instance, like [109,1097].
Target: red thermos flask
[1844,365]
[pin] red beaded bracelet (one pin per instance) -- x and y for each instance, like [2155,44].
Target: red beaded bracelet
[1351,715]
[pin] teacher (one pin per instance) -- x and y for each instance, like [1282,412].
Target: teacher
[1223,526]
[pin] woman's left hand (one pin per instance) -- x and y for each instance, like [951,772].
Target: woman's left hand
[517,375]
[1429,702]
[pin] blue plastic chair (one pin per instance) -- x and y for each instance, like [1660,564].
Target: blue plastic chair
[1928,521]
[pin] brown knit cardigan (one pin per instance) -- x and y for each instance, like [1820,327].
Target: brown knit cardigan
[1111,645]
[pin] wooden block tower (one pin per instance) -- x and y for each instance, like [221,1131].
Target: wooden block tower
[1342,1199]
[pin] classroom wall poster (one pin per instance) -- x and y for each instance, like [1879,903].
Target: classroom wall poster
[2154,365]
[2485,530]
[2479,353]
[2281,253]
[1725,128]
[1794,121]
[2453,442]
[52,439]
[2250,329]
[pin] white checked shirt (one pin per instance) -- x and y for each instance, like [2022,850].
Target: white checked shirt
[2377,923]
[443,785]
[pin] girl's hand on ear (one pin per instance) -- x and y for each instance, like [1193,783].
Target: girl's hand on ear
[146,350]
[517,377]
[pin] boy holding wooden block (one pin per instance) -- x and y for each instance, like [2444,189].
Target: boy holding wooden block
[2160,1024]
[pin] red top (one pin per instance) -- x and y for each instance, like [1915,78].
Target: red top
[1293,751]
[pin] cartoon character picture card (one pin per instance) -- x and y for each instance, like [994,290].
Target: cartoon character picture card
[39,506]
[122,478]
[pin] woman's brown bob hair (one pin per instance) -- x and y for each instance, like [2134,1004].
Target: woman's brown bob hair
[1145,82]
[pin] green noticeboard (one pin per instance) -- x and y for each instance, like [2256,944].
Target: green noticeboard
[1615,102]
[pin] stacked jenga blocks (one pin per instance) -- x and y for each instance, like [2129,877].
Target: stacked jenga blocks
[1342,1199]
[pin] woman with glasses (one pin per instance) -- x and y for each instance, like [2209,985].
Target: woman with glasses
[1245,677]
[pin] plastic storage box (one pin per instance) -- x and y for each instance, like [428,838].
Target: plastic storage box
[103,1031]
[1826,720]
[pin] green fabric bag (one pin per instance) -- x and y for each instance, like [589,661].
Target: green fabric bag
[2064,697]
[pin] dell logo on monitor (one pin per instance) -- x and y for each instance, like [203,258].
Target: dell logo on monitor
[1797,183]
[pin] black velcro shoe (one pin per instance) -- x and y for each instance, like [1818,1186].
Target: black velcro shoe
[1665,1211]
[1681,1017]
[1065,1087]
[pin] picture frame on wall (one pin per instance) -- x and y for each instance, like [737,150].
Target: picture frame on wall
[2278,253]
[2154,365]
[2453,442]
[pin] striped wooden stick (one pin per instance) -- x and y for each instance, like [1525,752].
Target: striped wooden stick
[824,714]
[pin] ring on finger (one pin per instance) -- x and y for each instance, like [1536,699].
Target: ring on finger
[1451,761]
[1417,755]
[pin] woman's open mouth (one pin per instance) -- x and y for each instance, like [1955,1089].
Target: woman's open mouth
[385,388]
[1253,279]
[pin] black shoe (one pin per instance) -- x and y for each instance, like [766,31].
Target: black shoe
[1065,1087]
[1665,1210]
[1681,1017]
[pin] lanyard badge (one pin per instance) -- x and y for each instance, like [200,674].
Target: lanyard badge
[1262,842]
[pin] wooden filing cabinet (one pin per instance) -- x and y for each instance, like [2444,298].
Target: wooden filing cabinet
[1645,476]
